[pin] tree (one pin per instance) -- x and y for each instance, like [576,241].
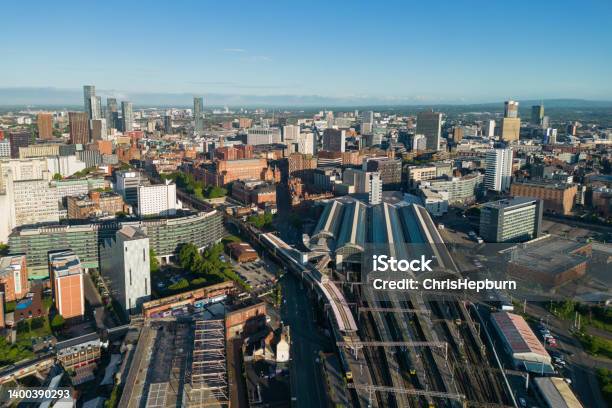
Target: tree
[4,249]
[153,262]
[57,177]
[58,322]
[189,256]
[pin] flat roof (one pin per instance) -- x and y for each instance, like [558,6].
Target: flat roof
[557,393]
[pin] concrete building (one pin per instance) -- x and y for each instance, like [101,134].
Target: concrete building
[128,116]
[334,140]
[65,165]
[79,127]
[436,202]
[39,150]
[5,148]
[537,115]
[263,135]
[511,109]
[157,199]
[34,201]
[510,129]
[17,140]
[390,171]
[124,263]
[549,261]
[291,133]
[498,169]
[66,275]
[511,220]
[198,114]
[429,124]
[306,143]
[44,122]
[13,277]
[558,198]
[201,229]
[127,185]
[461,190]
[98,129]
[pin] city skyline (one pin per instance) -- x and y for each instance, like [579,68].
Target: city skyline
[458,56]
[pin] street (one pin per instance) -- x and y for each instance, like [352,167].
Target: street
[306,342]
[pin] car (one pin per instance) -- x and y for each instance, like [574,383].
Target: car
[522,401]
[567,380]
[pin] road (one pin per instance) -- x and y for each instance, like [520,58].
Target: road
[306,342]
[582,366]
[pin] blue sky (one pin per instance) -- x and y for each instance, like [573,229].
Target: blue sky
[444,51]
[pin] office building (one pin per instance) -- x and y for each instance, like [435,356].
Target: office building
[44,121]
[79,127]
[124,263]
[263,135]
[5,148]
[127,183]
[334,140]
[291,134]
[511,109]
[510,129]
[39,150]
[375,185]
[429,124]
[13,278]
[17,140]
[457,134]
[498,169]
[198,115]
[201,229]
[390,171]
[168,124]
[89,93]
[157,199]
[66,276]
[306,143]
[98,129]
[537,115]
[96,107]
[31,202]
[112,113]
[128,117]
[65,165]
[461,190]
[557,197]
[256,192]
[511,123]
[490,128]
[517,219]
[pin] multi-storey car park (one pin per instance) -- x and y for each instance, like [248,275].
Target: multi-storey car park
[420,348]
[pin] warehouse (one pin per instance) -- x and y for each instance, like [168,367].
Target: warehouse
[521,343]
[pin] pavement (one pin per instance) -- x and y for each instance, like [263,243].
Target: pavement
[307,383]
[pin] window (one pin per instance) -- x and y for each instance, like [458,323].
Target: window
[130,276]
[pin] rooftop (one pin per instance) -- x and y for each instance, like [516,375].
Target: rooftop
[508,203]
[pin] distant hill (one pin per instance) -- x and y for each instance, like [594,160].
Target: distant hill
[70,98]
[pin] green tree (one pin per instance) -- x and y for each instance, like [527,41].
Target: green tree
[58,322]
[57,177]
[189,256]
[153,262]
[4,249]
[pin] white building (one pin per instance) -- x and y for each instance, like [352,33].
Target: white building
[65,165]
[291,133]
[490,128]
[157,199]
[5,148]
[498,169]
[306,143]
[124,263]
[375,184]
[127,185]
[435,201]
[263,135]
[34,201]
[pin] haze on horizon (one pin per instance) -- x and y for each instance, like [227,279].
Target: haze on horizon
[390,52]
